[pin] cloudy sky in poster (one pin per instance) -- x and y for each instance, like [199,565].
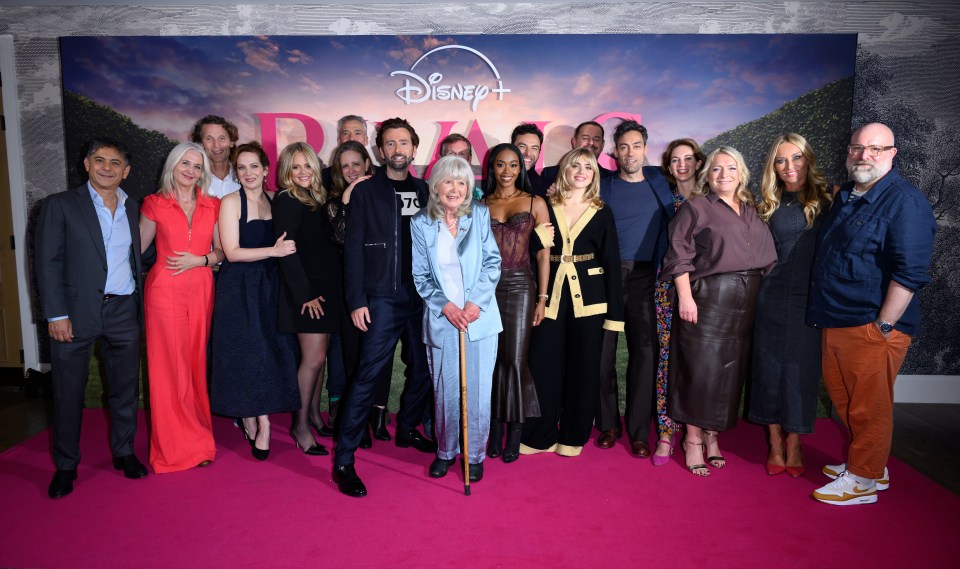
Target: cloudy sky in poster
[681,85]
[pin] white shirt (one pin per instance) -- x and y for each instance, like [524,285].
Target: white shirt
[450,272]
[220,188]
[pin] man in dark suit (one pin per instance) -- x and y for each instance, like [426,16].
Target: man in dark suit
[642,205]
[382,299]
[88,272]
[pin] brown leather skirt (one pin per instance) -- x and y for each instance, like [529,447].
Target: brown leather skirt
[710,359]
[514,395]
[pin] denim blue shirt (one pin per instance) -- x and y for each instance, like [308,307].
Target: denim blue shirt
[117,241]
[864,244]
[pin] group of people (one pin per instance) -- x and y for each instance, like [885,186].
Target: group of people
[533,282]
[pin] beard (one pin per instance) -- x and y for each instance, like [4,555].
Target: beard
[871,173]
[399,162]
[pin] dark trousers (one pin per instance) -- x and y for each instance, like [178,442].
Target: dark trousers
[342,357]
[639,283]
[565,363]
[391,317]
[70,363]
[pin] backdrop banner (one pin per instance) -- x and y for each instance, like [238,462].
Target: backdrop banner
[732,89]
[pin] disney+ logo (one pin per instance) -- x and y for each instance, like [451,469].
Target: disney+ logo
[417,89]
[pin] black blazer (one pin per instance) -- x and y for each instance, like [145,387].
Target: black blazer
[71,260]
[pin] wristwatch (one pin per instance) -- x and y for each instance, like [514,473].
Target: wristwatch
[884,327]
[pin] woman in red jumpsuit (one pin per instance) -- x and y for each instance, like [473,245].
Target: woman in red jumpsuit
[182,218]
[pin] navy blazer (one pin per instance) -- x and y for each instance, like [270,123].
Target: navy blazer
[664,195]
[71,260]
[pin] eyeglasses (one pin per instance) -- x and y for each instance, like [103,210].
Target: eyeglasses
[855,149]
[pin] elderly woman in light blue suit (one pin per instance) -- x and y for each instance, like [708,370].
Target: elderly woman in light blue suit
[456,266]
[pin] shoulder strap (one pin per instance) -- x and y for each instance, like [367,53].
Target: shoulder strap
[243,205]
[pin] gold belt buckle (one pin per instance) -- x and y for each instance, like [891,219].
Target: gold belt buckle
[566,258]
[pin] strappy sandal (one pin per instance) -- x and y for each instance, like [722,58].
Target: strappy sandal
[715,461]
[696,469]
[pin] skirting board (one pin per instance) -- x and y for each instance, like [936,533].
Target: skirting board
[927,389]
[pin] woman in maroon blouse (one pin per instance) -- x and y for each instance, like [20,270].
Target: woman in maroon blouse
[719,250]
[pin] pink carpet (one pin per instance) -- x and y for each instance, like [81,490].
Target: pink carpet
[602,509]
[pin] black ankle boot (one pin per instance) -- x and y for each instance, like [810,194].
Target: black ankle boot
[495,444]
[512,452]
[378,422]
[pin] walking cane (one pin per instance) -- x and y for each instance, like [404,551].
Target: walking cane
[464,441]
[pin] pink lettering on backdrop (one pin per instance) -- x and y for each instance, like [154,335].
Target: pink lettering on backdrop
[473,134]
[605,159]
[268,135]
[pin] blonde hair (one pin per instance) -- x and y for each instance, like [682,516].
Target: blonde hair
[813,195]
[592,194]
[174,158]
[315,195]
[449,168]
[742,193]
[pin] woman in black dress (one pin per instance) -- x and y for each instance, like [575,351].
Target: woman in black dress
[310,280]
[350,164]
[254,367]
[516,218]
[786,352]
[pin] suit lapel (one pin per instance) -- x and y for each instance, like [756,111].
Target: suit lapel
[464,227]
[89,215]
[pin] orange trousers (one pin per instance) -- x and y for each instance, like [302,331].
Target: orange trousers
[859,369]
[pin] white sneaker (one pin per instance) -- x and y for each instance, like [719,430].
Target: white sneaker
[833,470]
[847,490]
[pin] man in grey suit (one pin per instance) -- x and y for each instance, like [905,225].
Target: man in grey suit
[88,272]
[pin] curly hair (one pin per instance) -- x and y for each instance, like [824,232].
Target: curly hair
[668,152]
[196,134]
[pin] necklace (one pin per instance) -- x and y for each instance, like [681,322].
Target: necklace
[452,224]
[515,193]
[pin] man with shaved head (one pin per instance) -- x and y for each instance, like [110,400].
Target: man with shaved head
[873,257]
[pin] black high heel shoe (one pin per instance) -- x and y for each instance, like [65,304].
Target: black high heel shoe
[495,444]
[322,429]
[316,449]
[512,452]
[259,453]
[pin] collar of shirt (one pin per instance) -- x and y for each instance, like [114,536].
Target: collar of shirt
[98,201]
[875,191]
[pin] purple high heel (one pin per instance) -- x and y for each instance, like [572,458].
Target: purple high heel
[658,460]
